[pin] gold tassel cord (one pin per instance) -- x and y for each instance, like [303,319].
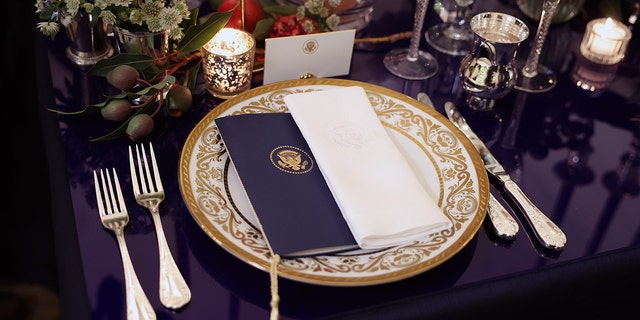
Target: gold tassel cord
[275,297]
[273,272]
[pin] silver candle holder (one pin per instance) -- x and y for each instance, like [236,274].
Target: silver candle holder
[227,62]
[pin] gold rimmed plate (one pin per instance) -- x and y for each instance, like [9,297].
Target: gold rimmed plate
[448,165]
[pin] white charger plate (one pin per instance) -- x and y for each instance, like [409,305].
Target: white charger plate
[444,159]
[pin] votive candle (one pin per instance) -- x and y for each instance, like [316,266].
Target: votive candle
[227,62]
[605,41]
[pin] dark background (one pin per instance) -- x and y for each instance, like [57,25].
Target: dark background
[28,275]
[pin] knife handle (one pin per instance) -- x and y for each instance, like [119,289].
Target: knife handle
[546,231]
[505,226]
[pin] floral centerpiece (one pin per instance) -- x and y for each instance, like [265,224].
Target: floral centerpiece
[133,15]
[147,85]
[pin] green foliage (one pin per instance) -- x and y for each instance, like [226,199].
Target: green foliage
[139,61]
[261,31]
[277,10]
[199,35]
[180,66]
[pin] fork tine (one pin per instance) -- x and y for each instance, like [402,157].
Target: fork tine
[120,203]
[149,182]
[141,172]
[111,200]
[134,176]
[98,194]
[156,173]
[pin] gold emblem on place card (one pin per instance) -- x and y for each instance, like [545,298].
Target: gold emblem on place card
[291,160]
[310,46]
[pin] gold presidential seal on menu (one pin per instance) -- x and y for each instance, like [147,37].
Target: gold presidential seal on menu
[291,159]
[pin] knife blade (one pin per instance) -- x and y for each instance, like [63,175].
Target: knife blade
[504,225]
[547,232]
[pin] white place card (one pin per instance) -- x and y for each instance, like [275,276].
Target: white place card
[320,55]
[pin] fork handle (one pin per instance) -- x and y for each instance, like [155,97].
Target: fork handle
[174,292]
[504,224]
[138,306]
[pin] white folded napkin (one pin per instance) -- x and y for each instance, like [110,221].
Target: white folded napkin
[381,199]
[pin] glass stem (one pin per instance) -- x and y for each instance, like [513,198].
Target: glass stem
[418,21]
[548,10]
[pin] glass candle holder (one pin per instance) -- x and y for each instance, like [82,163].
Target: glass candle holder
[605,41]
[227,62]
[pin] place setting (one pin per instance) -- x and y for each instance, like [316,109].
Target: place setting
[232,222]
[305,169]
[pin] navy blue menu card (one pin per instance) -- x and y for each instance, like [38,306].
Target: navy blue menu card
[285,188]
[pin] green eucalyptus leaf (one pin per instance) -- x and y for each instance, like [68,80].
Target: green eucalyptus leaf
[193,19]
[117,96]
[93,107]
[151,72]
[193,76]
[261,31]
[87,110]
[138,61]
[167,82]
[198,35]
[278,10]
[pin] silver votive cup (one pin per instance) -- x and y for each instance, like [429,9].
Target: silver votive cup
[227,62]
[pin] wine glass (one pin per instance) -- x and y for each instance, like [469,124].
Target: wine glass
[532,76]
[412,63]
[453,36]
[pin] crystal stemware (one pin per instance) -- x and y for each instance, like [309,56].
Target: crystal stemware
[532,76]
[453,36]
[412,63]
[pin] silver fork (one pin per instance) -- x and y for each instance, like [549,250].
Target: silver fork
[148,190]
[114,216]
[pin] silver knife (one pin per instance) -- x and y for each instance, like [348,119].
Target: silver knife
[547,232]
[503,223]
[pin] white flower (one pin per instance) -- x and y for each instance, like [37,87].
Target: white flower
[66,20]
[333,21]
[48,28]
[135,15]
[318,11]
[334,3]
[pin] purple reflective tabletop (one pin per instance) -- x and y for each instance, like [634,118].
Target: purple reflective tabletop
[575,153]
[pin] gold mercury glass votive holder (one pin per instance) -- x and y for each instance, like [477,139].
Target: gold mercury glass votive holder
[227,62]
[605,41]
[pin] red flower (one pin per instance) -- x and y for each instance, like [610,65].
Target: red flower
[290,25]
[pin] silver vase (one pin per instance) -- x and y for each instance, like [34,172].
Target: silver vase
[488,72]
[153,44]
[88,41]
